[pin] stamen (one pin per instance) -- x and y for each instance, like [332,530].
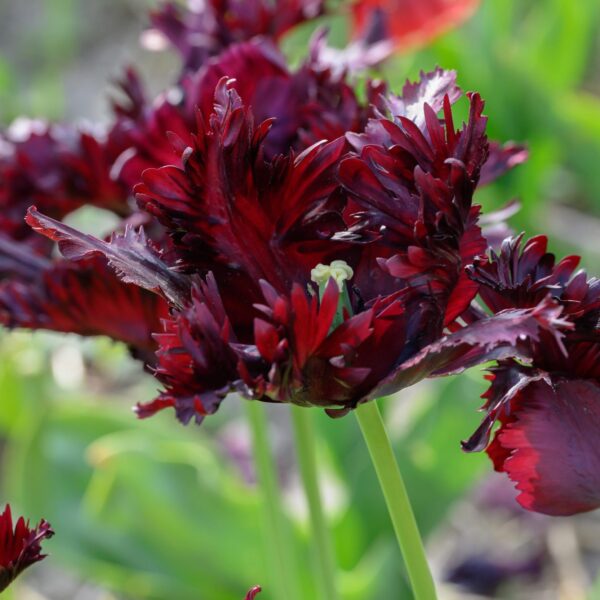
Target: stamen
[339,270]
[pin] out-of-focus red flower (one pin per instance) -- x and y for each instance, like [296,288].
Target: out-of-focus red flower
[408,24]
[316,102]
[205,29]
[20,546]
[85,298]
[61,169]
[308,105]
[56,167]
[325,278]
[548,407]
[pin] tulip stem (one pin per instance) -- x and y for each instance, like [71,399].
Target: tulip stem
[304,430]
[397,500]
[278,539]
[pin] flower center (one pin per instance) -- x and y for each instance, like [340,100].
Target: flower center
[340,271]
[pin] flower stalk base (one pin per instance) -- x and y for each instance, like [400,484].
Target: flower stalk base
[397,500]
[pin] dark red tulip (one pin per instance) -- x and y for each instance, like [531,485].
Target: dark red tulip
[57,168]
[63,169]
[200,32]
[322,279]
[549,406]
[20,546]
[85,298]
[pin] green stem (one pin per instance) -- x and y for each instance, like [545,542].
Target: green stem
[279,543]
[302,419]
[396,498]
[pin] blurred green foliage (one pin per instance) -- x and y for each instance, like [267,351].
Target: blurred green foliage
[153,510]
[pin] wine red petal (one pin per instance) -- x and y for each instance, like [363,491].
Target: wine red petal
[85,298]
[132,256]
[549,446]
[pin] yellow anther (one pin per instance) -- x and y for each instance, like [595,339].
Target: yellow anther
[339,270]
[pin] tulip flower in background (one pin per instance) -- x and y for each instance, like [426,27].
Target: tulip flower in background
[203,30]
[20,546]
[408,23]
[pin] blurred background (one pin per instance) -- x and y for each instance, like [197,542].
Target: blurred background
[152,510]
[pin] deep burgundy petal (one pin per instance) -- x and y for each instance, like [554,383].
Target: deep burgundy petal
[549,446]
[520,275]
[502,158]
[196,363]
[59,168]
[258,69]
[231,204]
[130,254]
[306,361]
[85,298]
[507,379]
[414,195]
[501,336]
[152,136]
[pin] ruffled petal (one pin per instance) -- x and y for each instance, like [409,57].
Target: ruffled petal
[85,298]
[502,158]
[196,362]
[549,446]
[504,335]
[130,254]
[429,90]
[236,208]
[414,193]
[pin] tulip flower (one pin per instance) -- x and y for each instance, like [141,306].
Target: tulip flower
[548,407]
[20,546]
